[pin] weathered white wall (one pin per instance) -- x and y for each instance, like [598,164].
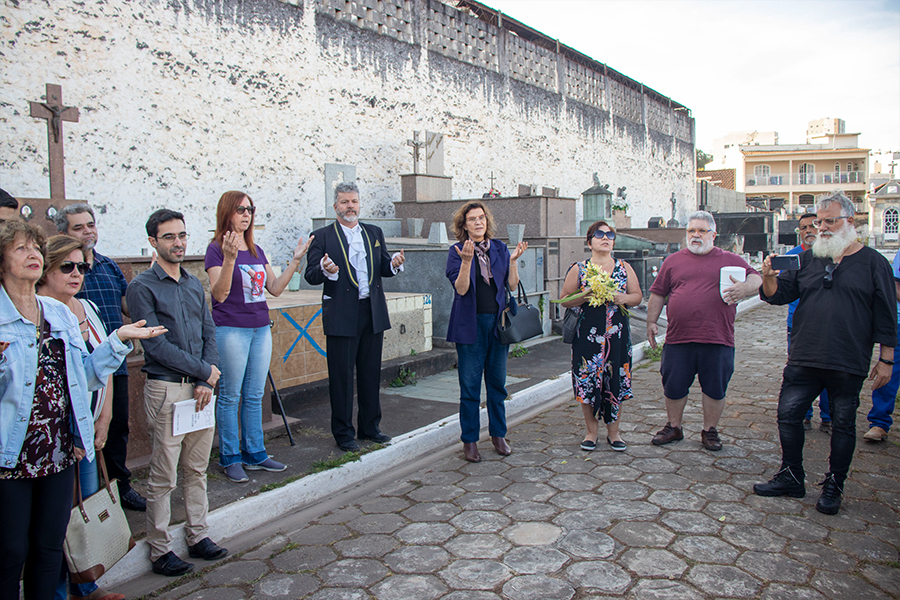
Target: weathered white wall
[183,100]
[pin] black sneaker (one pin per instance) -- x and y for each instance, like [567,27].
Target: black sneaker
[830,500]
[134,501]
[171,566]
[783,484]
[207,550]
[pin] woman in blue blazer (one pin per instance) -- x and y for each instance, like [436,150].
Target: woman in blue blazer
[479,270]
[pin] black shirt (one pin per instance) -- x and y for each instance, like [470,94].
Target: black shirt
[836,328]
[189,347]
[485,295]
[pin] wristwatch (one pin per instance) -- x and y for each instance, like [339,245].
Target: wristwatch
[885,361]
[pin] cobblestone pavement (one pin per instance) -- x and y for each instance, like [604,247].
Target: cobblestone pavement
[551,522]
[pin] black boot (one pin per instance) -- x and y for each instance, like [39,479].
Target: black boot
[830,500]
[785,483]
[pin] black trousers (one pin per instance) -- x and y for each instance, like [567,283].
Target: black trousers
[799,387]
[363,353]
[116,450]
[33,520]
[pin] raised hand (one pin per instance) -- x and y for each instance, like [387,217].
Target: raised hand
[137,331]
[301,248]
[467,252]
[398,260]
[231,244]
[521,247]
[329,265]
[4,346]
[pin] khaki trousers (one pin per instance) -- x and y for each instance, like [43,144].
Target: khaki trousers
[189,452]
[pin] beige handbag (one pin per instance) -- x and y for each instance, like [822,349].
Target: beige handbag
[98,534]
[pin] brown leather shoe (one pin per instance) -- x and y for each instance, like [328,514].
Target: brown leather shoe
[667,434]
[470,451]
[710,439]
[501,446]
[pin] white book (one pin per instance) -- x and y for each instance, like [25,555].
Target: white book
[186,419]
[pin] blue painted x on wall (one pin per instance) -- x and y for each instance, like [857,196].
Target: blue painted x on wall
[304,333]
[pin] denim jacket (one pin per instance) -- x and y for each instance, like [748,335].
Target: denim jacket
[18,372]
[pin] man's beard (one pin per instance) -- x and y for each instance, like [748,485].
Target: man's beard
[833,246]
[349,218]
[704,248]
[90,245]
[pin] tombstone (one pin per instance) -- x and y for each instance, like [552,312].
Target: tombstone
[438,234]
[516,234]
[597,205]
[526,190]
[673,224]
[655,223]
[434,153]
[335,174]
[414,227]
[550,192]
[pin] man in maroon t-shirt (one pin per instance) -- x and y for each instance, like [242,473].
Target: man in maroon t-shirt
[700,333]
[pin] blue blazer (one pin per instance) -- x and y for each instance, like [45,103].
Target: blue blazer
[461,328]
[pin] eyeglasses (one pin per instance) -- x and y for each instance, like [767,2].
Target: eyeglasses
[605,234]
[171,237]
[478,219]
[829,276]
[69,266]
[245,209]
[698,231]
[829,221]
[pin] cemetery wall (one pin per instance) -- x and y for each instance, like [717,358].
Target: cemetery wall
[181,100]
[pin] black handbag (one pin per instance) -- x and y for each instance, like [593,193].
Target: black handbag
[570,324]
[520,320]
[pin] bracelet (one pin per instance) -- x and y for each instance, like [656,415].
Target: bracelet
[885,361]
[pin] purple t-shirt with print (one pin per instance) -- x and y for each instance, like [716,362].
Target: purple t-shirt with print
[245,305]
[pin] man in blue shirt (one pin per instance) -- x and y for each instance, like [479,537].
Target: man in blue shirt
[808,233]
[883,398]
[105,286]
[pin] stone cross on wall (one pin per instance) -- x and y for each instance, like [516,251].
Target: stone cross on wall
[674,202]
[55,113]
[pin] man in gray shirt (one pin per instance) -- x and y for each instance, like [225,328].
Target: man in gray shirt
[181,365]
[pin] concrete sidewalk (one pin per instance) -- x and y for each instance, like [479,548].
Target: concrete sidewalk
[551,521]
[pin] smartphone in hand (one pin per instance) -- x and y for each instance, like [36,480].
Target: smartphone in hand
[786,262]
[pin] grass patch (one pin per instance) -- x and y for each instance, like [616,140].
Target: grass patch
[332,462]
[653,354]
[405,378]
[517,351]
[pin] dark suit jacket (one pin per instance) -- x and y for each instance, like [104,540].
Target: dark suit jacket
[340,297]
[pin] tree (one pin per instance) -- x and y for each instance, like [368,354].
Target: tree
[703,159]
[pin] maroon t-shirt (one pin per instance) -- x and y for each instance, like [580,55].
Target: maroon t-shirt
[695,309]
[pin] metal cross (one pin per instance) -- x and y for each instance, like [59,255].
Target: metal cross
[416,146]
[492,180]
[55,112]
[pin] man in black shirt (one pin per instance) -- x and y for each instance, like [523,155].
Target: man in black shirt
[180,366]
[847,304]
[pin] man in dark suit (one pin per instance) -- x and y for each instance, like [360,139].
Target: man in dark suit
[350,258]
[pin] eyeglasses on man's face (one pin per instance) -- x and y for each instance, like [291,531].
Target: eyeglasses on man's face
[69,266]
[599,234]
[830,222]
[698,231]
[170,238]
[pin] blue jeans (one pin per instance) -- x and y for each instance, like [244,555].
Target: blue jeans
[883,398]
[486,356]
[244,355]
[90,484]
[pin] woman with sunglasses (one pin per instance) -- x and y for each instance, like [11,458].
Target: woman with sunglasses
[601,351]
[479,269]
[238,275]
[64,271]
[45,377]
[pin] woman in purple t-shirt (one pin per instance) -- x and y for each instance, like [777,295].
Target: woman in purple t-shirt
[243,335]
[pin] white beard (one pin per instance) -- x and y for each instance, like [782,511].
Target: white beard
[704,247]
[833,246]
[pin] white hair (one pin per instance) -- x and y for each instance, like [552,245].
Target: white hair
[702,215]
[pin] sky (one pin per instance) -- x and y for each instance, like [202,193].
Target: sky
[765,65]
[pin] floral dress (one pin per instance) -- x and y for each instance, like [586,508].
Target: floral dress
[601,352]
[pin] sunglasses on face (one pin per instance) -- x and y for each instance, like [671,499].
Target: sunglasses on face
[245,209]
[69,266]
[605,234]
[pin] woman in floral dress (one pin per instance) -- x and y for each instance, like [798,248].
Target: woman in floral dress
[601,351]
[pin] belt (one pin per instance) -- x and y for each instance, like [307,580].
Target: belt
[172,378]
